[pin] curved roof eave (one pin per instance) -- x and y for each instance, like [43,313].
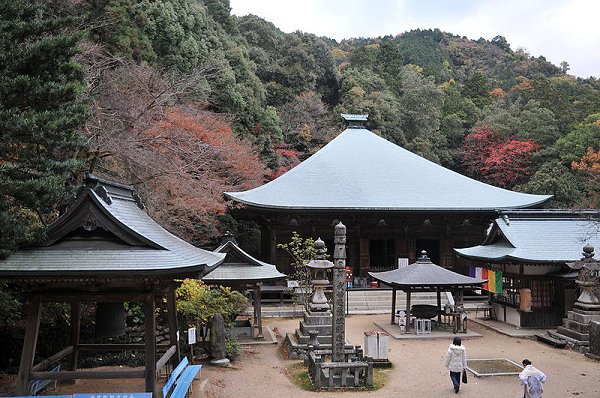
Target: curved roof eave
[231,195]
[359,170]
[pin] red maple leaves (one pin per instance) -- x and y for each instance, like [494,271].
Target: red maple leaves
[494,159]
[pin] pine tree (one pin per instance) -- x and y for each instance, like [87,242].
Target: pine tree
[40,117]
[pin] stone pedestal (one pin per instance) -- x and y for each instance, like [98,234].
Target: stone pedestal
[297,342]
[594,348]
[576,328]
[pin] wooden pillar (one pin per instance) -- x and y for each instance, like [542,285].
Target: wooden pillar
[265,243]
[365,258]
[393,305]
[75,334]
[439,305]
[408,312]
[29,344]
[258,311]
[150,342]
[172,319]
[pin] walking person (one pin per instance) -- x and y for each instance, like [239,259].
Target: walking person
[531,379]
[456,362]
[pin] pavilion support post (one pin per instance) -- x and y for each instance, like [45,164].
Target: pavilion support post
[29,344]
[408,312]
[258,311]
[172,319]
[150,341]
[439,305]
[75,335]
[393,305]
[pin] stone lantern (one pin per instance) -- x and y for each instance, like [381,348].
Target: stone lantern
[588,280]
[318,268]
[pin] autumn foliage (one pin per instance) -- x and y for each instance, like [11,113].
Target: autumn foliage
[195,158]
[287,159]
[493,159]
[589,164]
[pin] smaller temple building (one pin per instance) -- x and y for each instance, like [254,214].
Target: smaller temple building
[525,256]
[104,249]
[241,271]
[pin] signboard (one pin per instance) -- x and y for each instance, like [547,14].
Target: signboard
[191,336]
[115,395]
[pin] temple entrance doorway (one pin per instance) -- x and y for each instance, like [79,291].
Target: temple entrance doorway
[383,254]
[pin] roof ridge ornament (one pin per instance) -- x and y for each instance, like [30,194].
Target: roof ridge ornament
[423,257]
[355,121]
[103,193]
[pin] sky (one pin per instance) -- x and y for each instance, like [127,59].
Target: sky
[560,30]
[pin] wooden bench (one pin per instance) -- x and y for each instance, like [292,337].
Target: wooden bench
[180,380]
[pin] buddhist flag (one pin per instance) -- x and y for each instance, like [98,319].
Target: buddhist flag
[491,281]
[499,286]
[472,271]
[478,273]
[484,276]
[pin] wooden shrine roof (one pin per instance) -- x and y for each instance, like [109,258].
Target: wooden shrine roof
[240,266]
[537,237]
[359,170]
[424,275]
[106,233]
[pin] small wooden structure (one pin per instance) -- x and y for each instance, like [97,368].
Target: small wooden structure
[105,248]
[240,270]
[424,276]
[532,249]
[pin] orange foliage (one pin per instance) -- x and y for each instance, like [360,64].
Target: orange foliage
[590,165]
[523,85]
[590,162]
[498,93]
[191,160]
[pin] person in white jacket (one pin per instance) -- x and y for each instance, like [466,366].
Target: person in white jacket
[531,379]
[456,362]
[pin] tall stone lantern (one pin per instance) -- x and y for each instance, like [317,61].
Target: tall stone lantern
[318,267]
[588,280]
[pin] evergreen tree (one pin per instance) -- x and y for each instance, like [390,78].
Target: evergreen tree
[40,115]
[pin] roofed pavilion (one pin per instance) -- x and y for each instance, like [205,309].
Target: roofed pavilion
[105,248]
[240,270]
[394,203]
[424,276]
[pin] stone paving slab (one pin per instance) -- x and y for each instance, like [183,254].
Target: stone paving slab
[437,333]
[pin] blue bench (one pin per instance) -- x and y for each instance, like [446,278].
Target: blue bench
[181,378]
[37,386]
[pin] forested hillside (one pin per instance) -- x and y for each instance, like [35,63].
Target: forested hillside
[185,101]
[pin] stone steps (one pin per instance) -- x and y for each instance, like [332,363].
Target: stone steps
[367,302]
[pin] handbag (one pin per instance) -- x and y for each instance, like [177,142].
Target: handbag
[464,377]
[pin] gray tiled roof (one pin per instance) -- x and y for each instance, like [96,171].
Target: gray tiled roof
[424,273]
[241,266]
[537,237]
[151,250]
[359,170]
